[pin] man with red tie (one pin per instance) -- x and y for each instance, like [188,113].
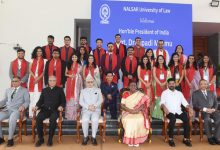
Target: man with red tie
[50,47]
[20,68]
[98,52]
[129,67]
[110,62]
[161,51]
[139,51]
[66,51]
[55,67]
[119,48]
[83,42]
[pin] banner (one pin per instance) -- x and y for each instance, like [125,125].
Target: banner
[150,21]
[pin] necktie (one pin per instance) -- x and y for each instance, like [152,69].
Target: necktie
[205,95]
[13,94]
[110,62]
[138,53]
[67,52]
[130,67]
[51,51]
[98,51]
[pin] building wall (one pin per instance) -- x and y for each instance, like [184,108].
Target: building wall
[28,22]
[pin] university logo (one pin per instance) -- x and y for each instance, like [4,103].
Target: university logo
[104,13]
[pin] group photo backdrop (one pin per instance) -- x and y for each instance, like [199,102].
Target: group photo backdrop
[150,21]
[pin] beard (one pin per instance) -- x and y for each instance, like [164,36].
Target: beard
[171,88]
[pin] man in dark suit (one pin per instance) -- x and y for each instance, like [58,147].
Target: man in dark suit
[55,67]
[110,91]
[206,102]
[52,100]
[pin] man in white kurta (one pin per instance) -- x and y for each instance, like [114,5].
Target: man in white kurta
[172,102]
[90,100]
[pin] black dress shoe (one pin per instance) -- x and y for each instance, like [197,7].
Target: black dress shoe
[85,140]
[187,142]
[39,143]
[171,143]
[50,143]
[2,140]
[211,141]
[216,140]
[94,142]
[10,143]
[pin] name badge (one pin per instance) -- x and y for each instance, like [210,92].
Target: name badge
[161,76]
[177,76]
[206,77]
[146,77]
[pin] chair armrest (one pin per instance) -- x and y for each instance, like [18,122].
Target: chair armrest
[165,119]
[60,116]
[78,114]
[34,115]
[200,113]
[22,113]
[104,115]
[119,108]
[149,114]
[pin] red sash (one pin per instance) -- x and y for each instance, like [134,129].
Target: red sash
[159,90]
[127,67]
[102,52]
[63,53]
[87,48]
[114,65]
[121,50]
[91,69]
[141,52]
[164,54]
[180,70]
[143,72]
[70,84]
[58,70]
[47,51]
[40,71]
[190,73]
[182,59]
[23,70]
[211,74]
[114,61]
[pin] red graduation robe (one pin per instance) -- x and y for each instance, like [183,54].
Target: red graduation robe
[139,52]
[115,65]
[129,70]
[24,67]
[63,52]
[97,58]
[49,51]
[121,51]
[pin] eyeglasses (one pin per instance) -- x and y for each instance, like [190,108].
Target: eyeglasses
[89,81]
[15,81]
[52,80]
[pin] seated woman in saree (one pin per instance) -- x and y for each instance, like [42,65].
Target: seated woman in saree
[135,119]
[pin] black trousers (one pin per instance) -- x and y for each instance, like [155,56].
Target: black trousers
[43,114]
[112,107]
[172,117]
[208,124]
